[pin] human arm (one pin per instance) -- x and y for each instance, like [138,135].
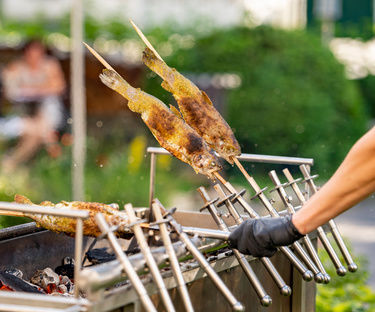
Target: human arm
[353,181]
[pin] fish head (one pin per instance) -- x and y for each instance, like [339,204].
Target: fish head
[228,150]
[206,163]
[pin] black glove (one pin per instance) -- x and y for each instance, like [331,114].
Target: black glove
[259,237]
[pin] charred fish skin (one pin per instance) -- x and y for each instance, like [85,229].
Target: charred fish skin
[68,225]
[168,128]
[196,108]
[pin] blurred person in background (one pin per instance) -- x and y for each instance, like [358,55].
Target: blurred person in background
[33,85]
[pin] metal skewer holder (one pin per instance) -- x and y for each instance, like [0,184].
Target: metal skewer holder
[303,294]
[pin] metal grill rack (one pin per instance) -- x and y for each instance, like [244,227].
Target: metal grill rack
[192,263]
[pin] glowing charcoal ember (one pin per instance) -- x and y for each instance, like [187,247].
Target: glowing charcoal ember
[11,282]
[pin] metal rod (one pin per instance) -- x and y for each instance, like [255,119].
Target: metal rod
[236,305]
[264,298]
[272,211]
[207,233]
[78,109]
[352,266]
[145,249]
[181,285]
[284,160]
[46,210]
[285,290]
[306,274]
[152,178]
[126,264]
[78,254]
[340,269]
[306,239]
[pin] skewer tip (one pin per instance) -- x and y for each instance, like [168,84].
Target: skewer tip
[145,40]
[98,57]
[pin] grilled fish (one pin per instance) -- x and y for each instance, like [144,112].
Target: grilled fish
[196,108]
[68,225]
[168,127]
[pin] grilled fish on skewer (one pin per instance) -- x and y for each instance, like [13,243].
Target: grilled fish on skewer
[196,108]
[167,127]
[68,225]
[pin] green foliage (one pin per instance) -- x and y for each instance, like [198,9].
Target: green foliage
[108,178]
[294,98]
[345,294]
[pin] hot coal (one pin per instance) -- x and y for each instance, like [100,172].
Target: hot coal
[65,269]
[52,283]
[99,255]
[15,272]
[47,279]
[11,282]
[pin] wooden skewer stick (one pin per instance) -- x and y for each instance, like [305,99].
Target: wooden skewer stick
[219,177]
[242,169]
[145,40]
[11,213]
[98,57]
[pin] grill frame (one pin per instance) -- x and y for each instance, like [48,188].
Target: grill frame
[303,298]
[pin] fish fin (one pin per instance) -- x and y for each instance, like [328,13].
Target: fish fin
[175,111]
[20,199]
[46,203]
[166,86]
[206,98]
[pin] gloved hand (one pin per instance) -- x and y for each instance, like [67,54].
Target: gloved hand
[260,237]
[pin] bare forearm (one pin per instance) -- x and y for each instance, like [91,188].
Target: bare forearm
[353,181]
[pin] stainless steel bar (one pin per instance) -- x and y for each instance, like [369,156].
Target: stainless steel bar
[323,277]
[306,274]
[78,254]
[207,233]
[47,210]
[285,160]
[340,269]
[236,305]
[352,266]
[285,290]
[264,298]
[181,285]
[126,264]
[152,178]
[145,249]
[22,301]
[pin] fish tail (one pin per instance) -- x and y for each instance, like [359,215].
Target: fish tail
[114,81]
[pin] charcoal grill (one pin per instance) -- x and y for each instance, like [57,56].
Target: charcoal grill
[31,248]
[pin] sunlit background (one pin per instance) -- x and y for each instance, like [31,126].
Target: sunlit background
[292,77]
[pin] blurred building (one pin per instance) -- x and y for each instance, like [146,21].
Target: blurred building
[285,14]
[144,12]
